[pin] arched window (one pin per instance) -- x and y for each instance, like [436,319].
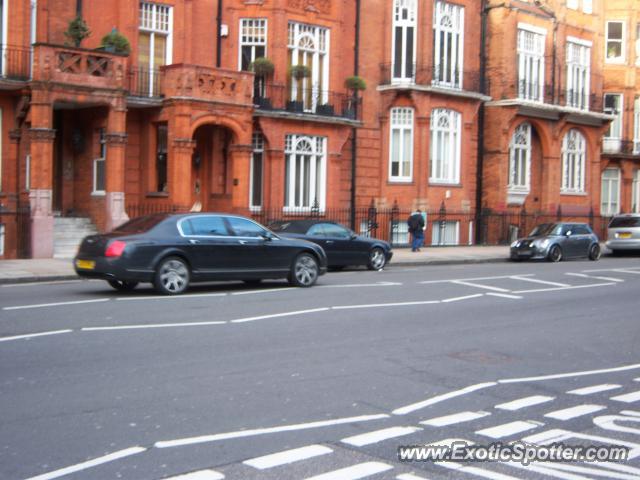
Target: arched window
[448,39]
[309,46]
[403,52]
[401,144]
[520,159]
[445,146]
[574,148]
[305,172]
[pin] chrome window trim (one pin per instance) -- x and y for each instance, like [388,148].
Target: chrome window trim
[182,234]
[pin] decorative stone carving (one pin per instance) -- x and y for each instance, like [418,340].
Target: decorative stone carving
[42,134]
[116,138]
[321,6]
[184,144]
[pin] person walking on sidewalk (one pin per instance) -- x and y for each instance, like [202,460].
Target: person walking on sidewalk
[416,226]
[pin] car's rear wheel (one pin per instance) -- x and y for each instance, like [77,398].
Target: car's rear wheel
[555,254]
[377,259]
[304,271]
[172,276]
[122,286]
[595,252]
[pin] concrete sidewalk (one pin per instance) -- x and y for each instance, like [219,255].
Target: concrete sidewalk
[51,269]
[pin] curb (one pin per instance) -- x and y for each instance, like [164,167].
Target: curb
[37,278]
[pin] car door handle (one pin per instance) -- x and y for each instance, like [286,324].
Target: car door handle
[329,242]
[193,241]
[242,242]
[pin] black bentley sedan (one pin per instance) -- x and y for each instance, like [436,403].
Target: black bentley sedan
[342,246]
[171,251]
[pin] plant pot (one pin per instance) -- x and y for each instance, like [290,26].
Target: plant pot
[325,109]
[263,103]
[295,106]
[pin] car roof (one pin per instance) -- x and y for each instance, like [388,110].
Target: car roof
[299,226]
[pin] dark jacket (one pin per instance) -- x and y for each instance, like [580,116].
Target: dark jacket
[415,222]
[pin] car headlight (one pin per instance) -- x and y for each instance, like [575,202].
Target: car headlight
[515,244]
[542,243]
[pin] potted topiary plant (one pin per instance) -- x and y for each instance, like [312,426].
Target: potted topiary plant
[299,73]
[77,31]
[115,42]
[263,68]
[355,83]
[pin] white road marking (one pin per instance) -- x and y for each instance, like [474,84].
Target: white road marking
[199,475]
[271,290]
[466,297]
[379,435]
[454,418]
[630,413]
[508,429]
[262,431]
[573,412]
[172,297]
[626,270]
[571,374]
[594,389]
[479,285]
[376,305]
[524,402]
[564,288]
[33,335]
[628,397]
[623,270]
[535,280]
[498,277]
[57,304]
[356,285]
[439,398]
[354,472]
[89,463]
[636,379]
[583,275]
[288,456]
[504,295]
[458,467]
[153,325]
[550,470]
[409,476]
[278,315]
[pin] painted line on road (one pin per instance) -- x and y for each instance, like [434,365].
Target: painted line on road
[153,325]
[199,475]
[636,379]
[626,270]
[630,413]
[627,397]
[354,472]
[262,431]
[574,412]
[584,275]
[570,374]
[466,297]
[504,295]
[57,304]
[594,389]
[90,463]
[478,472]
[370,438]
[478,285]
[497,277]
[355,285]
[272,290]
[508,429]
[33,335]
[278,315]
[440,398]
[454,418]
[287,456]
[535,280]
[409,476]
[633,270]
[564,288]
[376,305]
[524,402]
[172,297]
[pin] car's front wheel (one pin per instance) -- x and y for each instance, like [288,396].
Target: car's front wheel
[172,276]
[555,254]
[377,259]
[123,286]
[304,271]
[595,252]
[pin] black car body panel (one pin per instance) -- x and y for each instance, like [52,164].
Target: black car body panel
[574,239]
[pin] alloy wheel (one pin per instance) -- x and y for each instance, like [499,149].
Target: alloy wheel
[377,259]
[305,270]
[173,276]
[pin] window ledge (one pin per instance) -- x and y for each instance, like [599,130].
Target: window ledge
[573,194]
[444,183]
[400,181]
[98,194]
[157,195]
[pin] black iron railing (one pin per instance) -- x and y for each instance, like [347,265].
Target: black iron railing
[426,74]
[146,82]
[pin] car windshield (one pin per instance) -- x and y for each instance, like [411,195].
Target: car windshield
[140,224]
[545,229]
[625,222]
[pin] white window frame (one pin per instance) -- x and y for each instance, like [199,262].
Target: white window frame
[610,205]
[636,125]
[635,192]
[33,14]
[520,159]
[257,142]
[2,236]
[401,125]
[587,6]
[149,23]
[637,44]
[448,36]
[612,139]
[622,41]
[5,25]
[445,146]
[27,172]
[437,239]
[259,37]
[296,148]
[574,153]
[578,72]
[572,4]
[411,7]
[96,161]
[531,65]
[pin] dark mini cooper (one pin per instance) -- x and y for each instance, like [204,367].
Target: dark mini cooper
[557,241]
[342,246]
[171,251]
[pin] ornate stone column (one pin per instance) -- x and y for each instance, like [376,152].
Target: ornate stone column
[41,193]
[116,214]
[180,184]
[241,167]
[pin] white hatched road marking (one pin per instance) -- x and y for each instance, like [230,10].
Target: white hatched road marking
[535,280]
[564,288]
[265,290]
[354,472]
[636,379]
[626,270]
[356,285]
[508,429]
[635,366]
[584,275]
[199,475]
[171,297]
[594,389]
[524,402]
[409,476]
[379,435]
[628,397]
[153,325]
[573,412]
[466,297]
[458,467]
[34,335]
[552,471]
[277,315]
[376,305]
[479,285]
[287,456]
[454,418]
[497,277]
[89,463]
[622,270]
[439,398]
[57,304]
[504,295]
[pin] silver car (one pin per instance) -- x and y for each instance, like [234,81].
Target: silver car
[557,241]
[624,233]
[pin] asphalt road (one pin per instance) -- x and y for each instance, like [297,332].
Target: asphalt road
[96,384]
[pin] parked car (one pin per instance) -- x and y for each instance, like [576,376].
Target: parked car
[557,241]
[171,251]
[624,233]
[342,246]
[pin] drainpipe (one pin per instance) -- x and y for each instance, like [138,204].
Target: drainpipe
[354,130]
[219,35]
[78,8]
[480,149]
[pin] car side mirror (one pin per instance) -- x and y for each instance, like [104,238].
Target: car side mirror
[353,236]
[568,234]
[268,236]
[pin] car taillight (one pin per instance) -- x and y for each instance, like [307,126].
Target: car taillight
[115,249]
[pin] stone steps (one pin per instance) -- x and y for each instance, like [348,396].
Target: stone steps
[68,233]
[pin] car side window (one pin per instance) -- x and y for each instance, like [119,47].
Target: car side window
[566,229]
[336,231]
[580,230]
[205,225]
[246,228]
[316,230]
